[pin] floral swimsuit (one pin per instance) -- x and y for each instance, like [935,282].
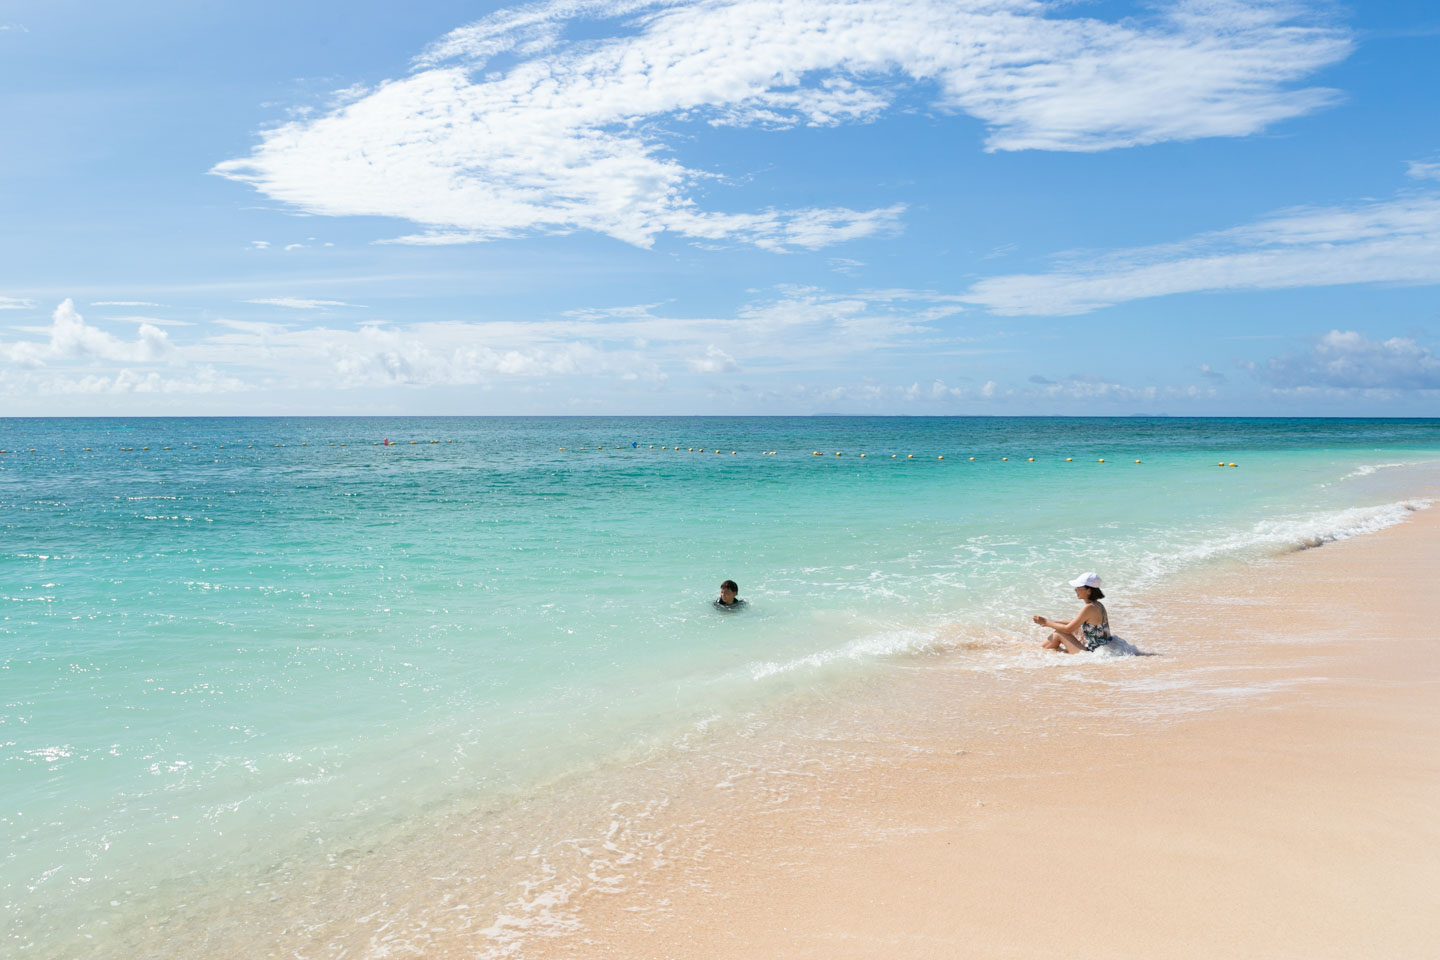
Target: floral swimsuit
[1096,637]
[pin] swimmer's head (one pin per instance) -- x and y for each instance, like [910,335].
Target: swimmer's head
[728,589]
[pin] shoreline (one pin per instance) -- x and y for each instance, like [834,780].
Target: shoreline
[1287,812]
[615,861]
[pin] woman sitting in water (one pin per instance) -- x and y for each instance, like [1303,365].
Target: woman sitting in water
[1090,629]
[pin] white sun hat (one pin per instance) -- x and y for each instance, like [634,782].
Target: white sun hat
[1087,580]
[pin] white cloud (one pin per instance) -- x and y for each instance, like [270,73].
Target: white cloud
[714,360]
[14,303]
[156,321]
[791,332]
[71,339]
[1346,360]
[1089,389]
[574,134]
[1396,241]
[801,329]
[203,380]
[1423,171]
[298,304]
[260,244]
[124,303]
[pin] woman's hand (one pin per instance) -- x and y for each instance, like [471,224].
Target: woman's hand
[1039,620]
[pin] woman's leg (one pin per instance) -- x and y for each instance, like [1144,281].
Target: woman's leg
[1063,642]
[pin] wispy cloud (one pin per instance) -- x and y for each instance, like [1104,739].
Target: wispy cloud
[15,303]
[203,380]
[1395,241]
[1091,389]
[296,303]
[154,321]
[575,134]
[1423,171]
[124,303]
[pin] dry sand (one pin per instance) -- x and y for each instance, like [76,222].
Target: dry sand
[1269,788]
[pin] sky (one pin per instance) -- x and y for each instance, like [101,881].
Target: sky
[728,207]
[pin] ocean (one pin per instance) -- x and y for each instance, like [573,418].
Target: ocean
[237,652]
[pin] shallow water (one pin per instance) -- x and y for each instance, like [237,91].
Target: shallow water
[277,639]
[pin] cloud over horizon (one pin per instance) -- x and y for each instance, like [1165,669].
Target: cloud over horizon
[1347,360]
[70,338]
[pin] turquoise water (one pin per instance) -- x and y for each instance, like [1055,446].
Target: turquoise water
[276,632]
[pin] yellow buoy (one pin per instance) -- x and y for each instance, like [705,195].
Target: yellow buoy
[1004,459]
[1069,459]
[562,449]
[717,451]
[1102,460]
[941,457]
[815,454]
[1220,464]
[862,456]
[1234,464]
[1137,461]
[909,456]
[652,446]
[837,453]
[972,459]
[894,455]
[1031,460]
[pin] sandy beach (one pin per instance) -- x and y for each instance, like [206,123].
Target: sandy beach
[1266,787]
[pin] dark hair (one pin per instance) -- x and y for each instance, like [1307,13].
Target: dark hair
[1096,593]
[730,585]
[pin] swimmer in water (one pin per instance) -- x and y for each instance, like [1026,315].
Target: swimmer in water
[728,600]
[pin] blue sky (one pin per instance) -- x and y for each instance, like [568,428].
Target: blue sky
[727,207]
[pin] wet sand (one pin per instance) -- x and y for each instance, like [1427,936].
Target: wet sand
[1266,787]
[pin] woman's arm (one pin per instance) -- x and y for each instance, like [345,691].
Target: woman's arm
[1084,616]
